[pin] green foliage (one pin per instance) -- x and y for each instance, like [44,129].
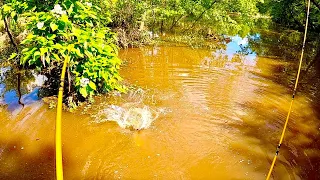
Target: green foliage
[292,14]
[70,31]
[73,33]
[188,16]
[12,9]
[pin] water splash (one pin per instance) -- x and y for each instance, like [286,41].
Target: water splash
[129,116]
[135,110]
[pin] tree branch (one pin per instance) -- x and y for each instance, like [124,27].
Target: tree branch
[200,16]
[10,35]
[69,81]
[17,51]
[175,22]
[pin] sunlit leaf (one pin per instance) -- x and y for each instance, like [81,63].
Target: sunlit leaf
[36,55]
[51,36]
[6,8]
[53,26]
[78,52]
[83,92]
[56,57]
[70,10]
[93,85]
[43,51]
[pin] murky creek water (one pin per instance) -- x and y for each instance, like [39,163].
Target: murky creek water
[220,115]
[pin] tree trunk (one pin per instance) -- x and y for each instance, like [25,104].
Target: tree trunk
[143,19]
[10,35]
[175,22]
[161,27]
[19,66]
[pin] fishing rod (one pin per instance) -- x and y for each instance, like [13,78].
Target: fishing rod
[293,94]
[59,166]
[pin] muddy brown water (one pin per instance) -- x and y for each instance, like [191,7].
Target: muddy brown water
[223,117]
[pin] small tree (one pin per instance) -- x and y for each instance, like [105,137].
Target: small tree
[71,31]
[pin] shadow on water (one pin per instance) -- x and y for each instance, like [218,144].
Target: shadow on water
[27,148]
[299,154]
[314,84]
[20,159]
[16,163]
[316,104]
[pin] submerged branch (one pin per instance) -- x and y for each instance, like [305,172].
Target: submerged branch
[19,88]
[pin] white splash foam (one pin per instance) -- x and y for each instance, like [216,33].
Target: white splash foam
[129,116]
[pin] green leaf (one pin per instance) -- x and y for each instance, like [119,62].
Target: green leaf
[70,47]
[25,50]
[78,52]
[53,26]
[65,19]
[61,25]
[42,40]
[13,15]
[13,55]
[25,58]
[81,5]
[93,85]
[56,57]
[89,54]
[43,51]
[6,8]
[48,59]
[36,55]
[51,36]
[93,16]
[70,10]
[26,41]
[58,46]
[83,92]
[30,36]
[97,7]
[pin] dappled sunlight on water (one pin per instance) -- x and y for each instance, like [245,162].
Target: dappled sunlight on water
[212,116]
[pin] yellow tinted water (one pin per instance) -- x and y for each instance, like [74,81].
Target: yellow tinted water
[223,120]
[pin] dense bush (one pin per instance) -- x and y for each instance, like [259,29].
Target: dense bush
[186,15]
[71,31]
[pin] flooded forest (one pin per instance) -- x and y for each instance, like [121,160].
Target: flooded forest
[159,89]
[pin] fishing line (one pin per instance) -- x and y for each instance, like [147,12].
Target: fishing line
[293,95]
